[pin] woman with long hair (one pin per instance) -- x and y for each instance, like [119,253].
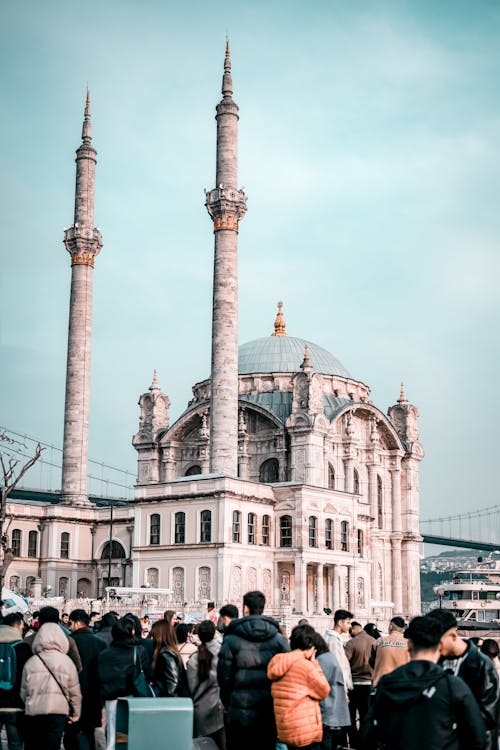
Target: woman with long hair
[169,674]
[202,681]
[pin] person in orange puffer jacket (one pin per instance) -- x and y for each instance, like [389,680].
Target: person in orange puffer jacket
[298,684]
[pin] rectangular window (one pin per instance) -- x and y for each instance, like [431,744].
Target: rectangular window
[154,529]
[180,528]
[236,526]
[206,526]
[329,533]
[32,543]
[266,530]
[16,542]
[251,528]
[65,545]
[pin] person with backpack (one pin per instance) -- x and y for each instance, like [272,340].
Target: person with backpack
[419,705]
[14,653]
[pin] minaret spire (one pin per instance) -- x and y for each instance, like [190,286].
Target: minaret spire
[227,80]
[87,124]
[226,206]
[83,242]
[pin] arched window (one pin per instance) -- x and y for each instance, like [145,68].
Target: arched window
[30,582]
[63,586]
[331,477]
[269,471]
[236,526]
[251,528]
[206,526]
[266,530]
[83,587]
[180,528]
[14,582]
[64,551]
[285,531]
[17,536]
[115,548]
[344,536]
[193,470]
[360,543]
[313,531]
[153,577]
[380,503]
[32,543]
[154,529]
[329,533]
[355,481]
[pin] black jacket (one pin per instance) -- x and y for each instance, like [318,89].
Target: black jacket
[419,705]
[248,646]
[116,669]
[479,673]
[169,675]
[89,648]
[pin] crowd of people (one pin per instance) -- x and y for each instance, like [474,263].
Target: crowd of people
[419,685]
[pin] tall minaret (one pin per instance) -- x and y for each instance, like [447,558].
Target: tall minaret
[83,242]
[226,205]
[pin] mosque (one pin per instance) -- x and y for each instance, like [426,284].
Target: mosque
[280,475]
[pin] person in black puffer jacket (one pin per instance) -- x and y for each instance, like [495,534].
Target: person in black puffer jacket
[117,668]
[249,644]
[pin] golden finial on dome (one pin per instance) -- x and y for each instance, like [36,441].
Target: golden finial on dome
[279,323]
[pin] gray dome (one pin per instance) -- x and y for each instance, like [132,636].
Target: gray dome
[286,354]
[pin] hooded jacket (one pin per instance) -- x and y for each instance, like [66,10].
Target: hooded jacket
[298,685]
[248,646]
[420,706]
[117,670]
[39,690]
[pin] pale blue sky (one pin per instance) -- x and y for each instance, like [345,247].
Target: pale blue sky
[370,152]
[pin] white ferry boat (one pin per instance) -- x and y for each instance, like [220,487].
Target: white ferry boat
[474,594]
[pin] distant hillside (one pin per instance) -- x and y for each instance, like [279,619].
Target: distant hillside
[429,580]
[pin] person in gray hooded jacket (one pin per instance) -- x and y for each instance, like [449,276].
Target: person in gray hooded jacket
[50,689]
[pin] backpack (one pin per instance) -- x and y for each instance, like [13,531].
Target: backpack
[8,665]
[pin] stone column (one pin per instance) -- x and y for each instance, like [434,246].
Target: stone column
[348,474]
[226,206]
[336,599]
[320,584]
[83,242]
[372,491]
[351,587]
[300,586]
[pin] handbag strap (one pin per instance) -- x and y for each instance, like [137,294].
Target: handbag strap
[55,678]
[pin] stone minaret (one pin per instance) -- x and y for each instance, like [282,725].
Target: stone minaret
[226,206]
[83,242]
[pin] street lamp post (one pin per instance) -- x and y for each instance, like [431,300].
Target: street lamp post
[439,590]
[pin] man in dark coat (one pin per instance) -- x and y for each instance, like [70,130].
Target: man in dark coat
[82,733]
[420,705]
[463,659]
[249,644]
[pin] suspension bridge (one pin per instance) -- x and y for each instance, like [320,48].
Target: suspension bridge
[478,529]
